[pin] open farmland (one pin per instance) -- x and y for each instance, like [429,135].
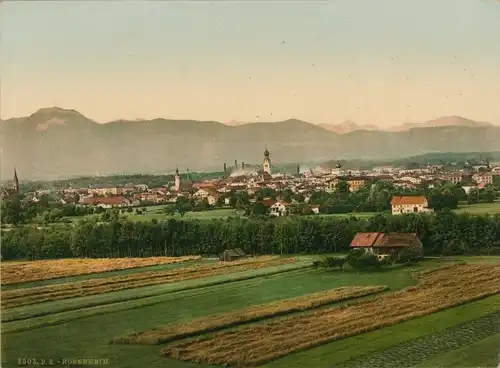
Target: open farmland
[82,327]
[18,272]
[27,296]
[438,289]
[238,317]
[413,352]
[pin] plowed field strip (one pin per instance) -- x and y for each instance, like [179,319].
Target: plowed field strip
[252,314]
[257,344]
[21,297]
[21,272]
[411,353]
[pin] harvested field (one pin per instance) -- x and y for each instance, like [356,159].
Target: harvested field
[21,297]
[252,314]
[19,272]
[257,344]
[413,352]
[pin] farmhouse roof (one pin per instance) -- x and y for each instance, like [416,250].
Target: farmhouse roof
[410,200]
[381,240]
[365,239]
[268,202]
[396,240]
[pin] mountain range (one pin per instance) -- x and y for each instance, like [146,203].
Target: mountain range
[56,142]
[350,126]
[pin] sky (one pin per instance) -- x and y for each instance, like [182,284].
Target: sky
[380,62]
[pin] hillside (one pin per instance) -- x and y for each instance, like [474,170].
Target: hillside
[54,142]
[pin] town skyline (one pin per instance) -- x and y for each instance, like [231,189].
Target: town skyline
[242,62]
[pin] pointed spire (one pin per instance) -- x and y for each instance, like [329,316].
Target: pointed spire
[16,181]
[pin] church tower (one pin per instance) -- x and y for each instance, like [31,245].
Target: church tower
[15,182]
[177,178]
[267,162]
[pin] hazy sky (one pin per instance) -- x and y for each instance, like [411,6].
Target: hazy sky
[381,62]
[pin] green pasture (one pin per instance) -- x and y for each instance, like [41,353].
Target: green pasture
[480,208]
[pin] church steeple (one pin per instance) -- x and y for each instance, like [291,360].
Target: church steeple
[15,183]
[177,180]
[267,162]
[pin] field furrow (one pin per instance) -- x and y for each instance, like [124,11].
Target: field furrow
[413,352]
[218,322]
[21,297]
[257,344]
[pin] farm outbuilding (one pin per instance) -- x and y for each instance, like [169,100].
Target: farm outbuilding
[232,255]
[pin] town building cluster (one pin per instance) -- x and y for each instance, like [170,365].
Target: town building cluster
[252,180]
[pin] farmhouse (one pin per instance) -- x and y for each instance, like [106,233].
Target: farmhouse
[232,255]
[409,204]
[388,244]
[279,208]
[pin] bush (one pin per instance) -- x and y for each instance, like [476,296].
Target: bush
[361,260]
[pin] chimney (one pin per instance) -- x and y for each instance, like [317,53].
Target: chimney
[298,170]
[242,165]
[236,164]
[225,170]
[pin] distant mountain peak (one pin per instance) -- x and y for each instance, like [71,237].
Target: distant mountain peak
[347,126]
[48,117]
[452,120]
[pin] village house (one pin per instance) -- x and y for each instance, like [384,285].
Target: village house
[279,208]
[483,178]
[455,178]
[111,202]
[208,193]
[409,204]
[141,187]
[356,183]
[388,244]
[106,189]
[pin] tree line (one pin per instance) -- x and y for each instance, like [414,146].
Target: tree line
[442,234]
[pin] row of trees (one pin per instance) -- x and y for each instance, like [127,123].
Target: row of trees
[443,233]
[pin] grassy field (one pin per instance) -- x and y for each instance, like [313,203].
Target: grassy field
[84,331]
[480,208]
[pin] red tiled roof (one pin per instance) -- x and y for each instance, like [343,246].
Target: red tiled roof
[268,202]
[203,185]
[104,200]
[395,240]
[365,239]
[410,200]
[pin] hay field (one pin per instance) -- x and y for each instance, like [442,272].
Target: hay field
[218,322]
[22,297]
[257,344]
[18,272]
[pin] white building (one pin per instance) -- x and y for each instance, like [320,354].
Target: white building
[409,204]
